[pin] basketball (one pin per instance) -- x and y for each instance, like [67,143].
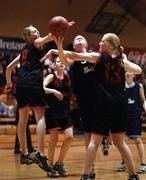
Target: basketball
[58,26]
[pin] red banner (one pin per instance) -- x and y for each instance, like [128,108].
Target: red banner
[136,55]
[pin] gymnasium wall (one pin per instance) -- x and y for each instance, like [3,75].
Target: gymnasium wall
[17,14]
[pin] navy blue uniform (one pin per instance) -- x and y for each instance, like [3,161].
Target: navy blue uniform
[58,113]
[134,110]
[29,87]
[82,76]
[111,104]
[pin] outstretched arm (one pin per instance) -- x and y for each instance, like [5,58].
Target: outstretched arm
[43,40]
[64,55]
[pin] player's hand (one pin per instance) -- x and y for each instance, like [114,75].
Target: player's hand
[58,40]
[8,88]
[58,95]
[71,23]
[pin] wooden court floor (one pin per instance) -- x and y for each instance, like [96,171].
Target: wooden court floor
[106,166]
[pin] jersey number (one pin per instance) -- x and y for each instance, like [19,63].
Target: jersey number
[112,73]
[24,56]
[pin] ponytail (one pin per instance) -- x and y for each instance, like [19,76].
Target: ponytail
[120,56]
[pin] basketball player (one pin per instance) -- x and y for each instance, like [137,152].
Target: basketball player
[30,92]
[136,101]
[110,100]
[57,87]
[82,78]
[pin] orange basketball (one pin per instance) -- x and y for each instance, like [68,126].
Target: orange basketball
[58,25]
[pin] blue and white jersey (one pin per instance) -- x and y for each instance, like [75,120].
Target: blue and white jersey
[133,98]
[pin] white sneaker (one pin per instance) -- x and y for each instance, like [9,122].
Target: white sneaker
[122,167]
[142,168]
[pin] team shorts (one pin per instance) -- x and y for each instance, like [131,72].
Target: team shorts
[32,96]
[111,119]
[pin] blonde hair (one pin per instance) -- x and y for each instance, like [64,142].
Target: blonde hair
[26,32]
[114,41]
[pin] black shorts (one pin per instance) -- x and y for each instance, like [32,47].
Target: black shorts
[111,119]
[87,116]
[86,108]
[60,124]
[32,96]
[134,127]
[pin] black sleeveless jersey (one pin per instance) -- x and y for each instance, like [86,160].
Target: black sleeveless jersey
[59,109]
[31,70]
[134,101]
[110,77]
[82,76]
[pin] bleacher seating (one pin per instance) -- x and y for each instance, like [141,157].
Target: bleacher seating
[8,132]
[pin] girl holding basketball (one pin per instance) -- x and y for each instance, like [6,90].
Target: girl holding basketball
[30,92]
[110,100]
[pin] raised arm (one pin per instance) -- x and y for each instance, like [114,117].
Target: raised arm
[39,42]
[64,55]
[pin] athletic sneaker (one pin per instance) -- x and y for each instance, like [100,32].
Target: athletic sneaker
[41,160]
[26,159]
[92,174]
[52,173]
[142,168]
[85,177]
[122,167]
[60,169]
[134,177]
[105,146]
[32,150]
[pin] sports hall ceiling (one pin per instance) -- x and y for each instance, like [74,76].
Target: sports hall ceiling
[92,17]
[138,9]
[18,10]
